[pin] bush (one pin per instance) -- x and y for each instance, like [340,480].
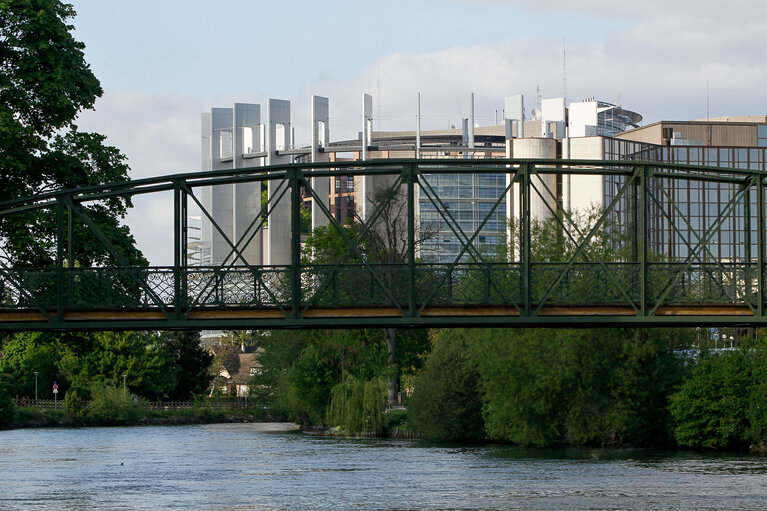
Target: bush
[357,405]
[76,403]
[113,406]
[446,403]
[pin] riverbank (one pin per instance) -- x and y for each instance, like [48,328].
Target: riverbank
[31,417]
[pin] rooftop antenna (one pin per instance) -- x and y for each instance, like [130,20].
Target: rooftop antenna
[378,97]
[564,70]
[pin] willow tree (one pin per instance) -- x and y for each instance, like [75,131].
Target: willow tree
[384,246]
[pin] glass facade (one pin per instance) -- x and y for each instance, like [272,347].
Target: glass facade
[688,213]
[469,200]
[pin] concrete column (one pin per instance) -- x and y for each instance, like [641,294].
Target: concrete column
[278,138]
[320,138]
[247,196]
[539,148]
[217,200]
[590,190]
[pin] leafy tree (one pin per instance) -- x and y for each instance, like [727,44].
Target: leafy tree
[594,387]
[384,245]
[301,368]
[447,403]
[27,352]
[44,84]
[149,369]
[190,362]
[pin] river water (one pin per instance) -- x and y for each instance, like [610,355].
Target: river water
[261,466]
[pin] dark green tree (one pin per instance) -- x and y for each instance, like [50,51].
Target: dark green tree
[44,84]
[149,369]
[30,352]
[447,402]
[191,363]
[7,408]
[712,406]
[385,247]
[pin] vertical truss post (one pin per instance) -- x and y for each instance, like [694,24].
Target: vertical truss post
[295,178]
[60,278]
[635,229]
[643,198]
[524,250]
[178,221]
[409,171]
[70,283]
[184,242]
[747,238]
[760,242]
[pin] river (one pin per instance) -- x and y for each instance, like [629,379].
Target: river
[261,466]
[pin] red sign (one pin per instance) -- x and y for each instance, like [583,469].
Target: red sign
[55,387]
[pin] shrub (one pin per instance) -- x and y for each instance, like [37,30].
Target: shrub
[113,406]
[76,403]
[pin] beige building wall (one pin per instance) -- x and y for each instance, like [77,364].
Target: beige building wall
[729,134]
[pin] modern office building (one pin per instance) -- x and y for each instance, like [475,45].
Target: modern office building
[586,130]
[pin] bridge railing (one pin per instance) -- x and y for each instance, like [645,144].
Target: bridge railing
[379,285]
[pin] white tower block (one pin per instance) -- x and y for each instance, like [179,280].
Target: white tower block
[278,138]
[467,122]
[320,138]
[553,114]
[217,200]
[247,196]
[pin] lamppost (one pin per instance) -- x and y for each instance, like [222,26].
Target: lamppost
[36,373]
[124,376]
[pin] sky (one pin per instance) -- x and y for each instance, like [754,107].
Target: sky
[162,63]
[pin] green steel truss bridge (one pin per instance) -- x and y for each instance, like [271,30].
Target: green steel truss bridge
[650,256]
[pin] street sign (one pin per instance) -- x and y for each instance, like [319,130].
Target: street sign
[55,391]
[55,387]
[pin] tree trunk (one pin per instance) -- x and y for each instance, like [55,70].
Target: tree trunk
[393,373]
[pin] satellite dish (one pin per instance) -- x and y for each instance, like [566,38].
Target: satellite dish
[536,114]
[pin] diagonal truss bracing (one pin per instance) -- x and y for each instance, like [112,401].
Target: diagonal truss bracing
[369,285]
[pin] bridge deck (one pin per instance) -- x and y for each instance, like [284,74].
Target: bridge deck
[465,316]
